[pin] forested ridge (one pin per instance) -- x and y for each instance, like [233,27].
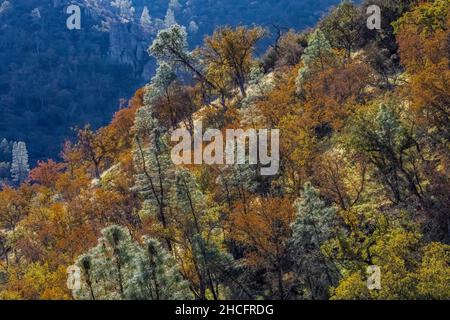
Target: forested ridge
[363,181]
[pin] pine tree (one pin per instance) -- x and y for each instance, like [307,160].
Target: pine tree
[159,85]
[145,20]
[313,226]
[119,268]
[169,19]
[171,46]
[108,266]
[154,166]
[200,226]
[317,55]
[125,10]
[193,27]
[158,276]
[5,152]
[19,165]
[174,5]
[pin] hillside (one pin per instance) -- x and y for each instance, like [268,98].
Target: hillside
[52,78]
[357,208]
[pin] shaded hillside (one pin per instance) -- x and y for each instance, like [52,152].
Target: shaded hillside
[52,79]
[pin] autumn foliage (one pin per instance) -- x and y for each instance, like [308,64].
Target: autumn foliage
[364,173]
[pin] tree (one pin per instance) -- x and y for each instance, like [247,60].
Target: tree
[193,27]
[344,27]
[19,165]
[422,37]
[169,19]
[199,228]
[230,51]
[146,20]
[286,51]
[171,46]
[262,228]
[119,268]
[392,150]
[409,270]
[312,228]
[434,272]
[158,276]
[317,55]
[98,147]
[5,151]
[161,81]
[154,168]
[46,173]
[174,5]
[125,10]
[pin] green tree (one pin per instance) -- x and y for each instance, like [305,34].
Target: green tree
[158,276]
[108,267]
[393,151]
[171,46]
[344,27]
[154,168]
[312,228]
[317,56]
[120,268]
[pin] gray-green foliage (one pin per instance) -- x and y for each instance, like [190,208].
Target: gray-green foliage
[154,168]
[171,46]
[317,55]
[19,166]
[392,150]
[202,232]
[158,276]
[312,228]
[161,81]
[189,200]
[120,268]
[238,179]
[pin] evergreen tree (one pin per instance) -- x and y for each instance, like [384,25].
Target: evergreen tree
[312,228]
[317,55]
[171,46]
[174,5]
[154,167]
[146,20]
[200,226]
[108,266]
[119,268]
[169,19]
[158,276]
[19,165]
[159,85]
[193,27]
[5,152]
[125,10]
